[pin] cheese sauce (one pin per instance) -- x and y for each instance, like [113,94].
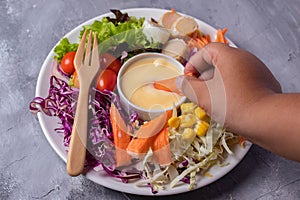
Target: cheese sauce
[137,85]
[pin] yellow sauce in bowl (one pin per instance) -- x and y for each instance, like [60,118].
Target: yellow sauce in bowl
[136,82]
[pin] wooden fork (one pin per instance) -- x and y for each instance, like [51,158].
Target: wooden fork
[87,65]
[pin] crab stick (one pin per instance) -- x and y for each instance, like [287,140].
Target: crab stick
[121,137]
[168,85]
[147,135]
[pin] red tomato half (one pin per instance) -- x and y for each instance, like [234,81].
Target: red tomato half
[109,61]
[67,63]
[107,80]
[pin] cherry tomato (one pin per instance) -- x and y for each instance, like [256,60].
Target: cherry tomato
[109,61]
[67,63]
[107,80]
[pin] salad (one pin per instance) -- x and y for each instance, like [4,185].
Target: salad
[189,141]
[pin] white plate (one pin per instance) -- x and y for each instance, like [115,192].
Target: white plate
[48,124]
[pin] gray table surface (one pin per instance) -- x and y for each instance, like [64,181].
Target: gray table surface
[29,167]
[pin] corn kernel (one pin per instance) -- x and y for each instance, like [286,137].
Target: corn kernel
[189,134]
[200,113]
[187,108]
[201,128]
[206,119]
[187,120]
[174,122]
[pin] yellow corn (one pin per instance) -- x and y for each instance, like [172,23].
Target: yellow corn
[206,119]
[174,122]
[208,174]
[189,134]
[187,108]
[201,128]
[187,120]
[200,113]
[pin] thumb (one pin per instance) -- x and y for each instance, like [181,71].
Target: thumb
[195,90]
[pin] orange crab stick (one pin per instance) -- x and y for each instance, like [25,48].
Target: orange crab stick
[147,134]
[121,137]
[168,85]
[138,147]
[154,126]
[161,148]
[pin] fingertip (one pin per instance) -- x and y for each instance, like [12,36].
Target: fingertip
[195,90]
[198,63]
[191,70]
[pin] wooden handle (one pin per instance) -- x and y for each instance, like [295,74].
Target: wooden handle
[77,148]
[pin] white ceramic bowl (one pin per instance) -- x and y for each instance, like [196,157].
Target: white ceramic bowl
[127,104]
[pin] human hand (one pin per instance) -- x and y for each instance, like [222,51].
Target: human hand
[228,83]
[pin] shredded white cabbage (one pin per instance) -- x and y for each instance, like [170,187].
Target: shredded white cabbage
[192,168]
[190,157]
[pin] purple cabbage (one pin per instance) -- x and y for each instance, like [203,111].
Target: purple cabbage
[61,102]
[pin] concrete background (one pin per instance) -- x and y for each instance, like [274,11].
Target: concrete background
[30,169]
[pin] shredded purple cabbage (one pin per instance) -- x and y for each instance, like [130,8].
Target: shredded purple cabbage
[183,164]
[57,67]
[61,102]
[124,176]
[186,179]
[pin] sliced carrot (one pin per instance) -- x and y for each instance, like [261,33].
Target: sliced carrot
[192,43]
[197,34]
[168,85]
[218,36]
[121,137]
[75,80]
[221,36]
[242,141]
[199,42]
[207,38]
[161,148]
[147,134]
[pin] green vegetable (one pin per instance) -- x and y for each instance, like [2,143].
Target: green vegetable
[71,82]
[122,33]
[64,47]
[111,35]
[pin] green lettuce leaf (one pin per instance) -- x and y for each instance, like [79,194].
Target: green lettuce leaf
[112,34]
[64,47]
